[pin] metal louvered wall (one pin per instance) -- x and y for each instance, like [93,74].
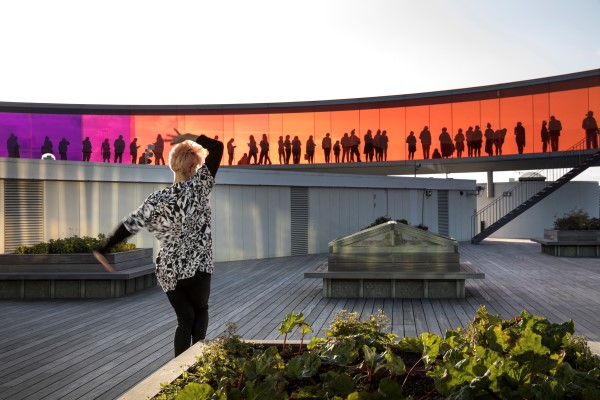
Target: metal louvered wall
[23,213]
[299,211]
[443,212]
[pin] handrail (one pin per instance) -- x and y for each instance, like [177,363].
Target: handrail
[524,190]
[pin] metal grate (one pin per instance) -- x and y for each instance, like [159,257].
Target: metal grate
[23,213]
[443,212]
[299,211]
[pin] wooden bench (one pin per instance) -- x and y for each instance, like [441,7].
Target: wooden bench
[400,284]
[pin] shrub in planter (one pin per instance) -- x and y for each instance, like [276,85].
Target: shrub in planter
[71,245]
[383,220]
[527,357]
[577,220]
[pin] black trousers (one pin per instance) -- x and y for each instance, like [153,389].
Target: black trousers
[190,302]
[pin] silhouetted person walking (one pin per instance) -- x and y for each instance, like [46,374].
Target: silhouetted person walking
[105,151]
[554,128]
[459,140]
[133,150]
[288,148]
[445,143]
[591,131]
[252,150]
[281,150]
[264,150]
[469,140]
[545,136]
[119,146]
[310,150]
[47,147]
[62,148]
[326,145]
[477,141]
[230,151]
[336,151]
[159,148]
[489,140]
[411,141]
[520,137]
[425,137]
[354,143]
[499,137]
[368,150]
[383,145]
[345,142]
[12,145]
[296,150]
[86,149]
[377,145]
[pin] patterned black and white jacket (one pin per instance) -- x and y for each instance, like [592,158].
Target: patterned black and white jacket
[179,216]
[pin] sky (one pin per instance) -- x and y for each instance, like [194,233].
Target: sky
[231,52]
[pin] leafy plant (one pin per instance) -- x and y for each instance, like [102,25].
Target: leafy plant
[577,220]
[383,220]
[71,245]
[525,357]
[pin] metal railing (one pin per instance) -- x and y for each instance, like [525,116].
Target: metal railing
[524,190]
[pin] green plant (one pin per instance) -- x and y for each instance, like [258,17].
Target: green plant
[526,357]
[383,220]
[71,245]
[577,220]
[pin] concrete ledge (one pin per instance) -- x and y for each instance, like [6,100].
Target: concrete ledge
[569,248]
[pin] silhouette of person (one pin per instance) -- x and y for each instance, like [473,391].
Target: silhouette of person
[86,149]
[62,148]
[146,157]
[591,131]
[445,143]
[489,140]
[310,150]
[281,150]
[230,150]
[47,147]
[133,149]
[345,148]
[545,136]
[425,137]
[326,145]
[477,141]
[436,154]
[383,145]
[499,137]
[554,128]
[12,145]
[264,150]
[119,146]
[244,160]
[377,145]
[159,148]
[368,150]
[105,151]
[336,151]
[296,150]
[469,138]
[354,143]
[288,148]
[459,139]
[520,137]
[411,140]
[252,150]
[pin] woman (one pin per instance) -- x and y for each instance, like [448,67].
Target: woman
[180,218]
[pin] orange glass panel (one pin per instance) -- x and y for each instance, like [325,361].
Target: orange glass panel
[417,118]
[322,127]
[513,110]
[303,126]
[393,120]
[570,107]
[464,115]
[440,116]
[594,101]
[490,113]
[275,131]
[541,112]
[209,125]
[148,127]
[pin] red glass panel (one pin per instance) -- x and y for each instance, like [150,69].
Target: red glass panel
[570,107]
[513,110]
[417,118]
[393,120]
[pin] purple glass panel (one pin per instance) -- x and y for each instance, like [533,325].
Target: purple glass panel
[19,125]
[100,127]
[56,127]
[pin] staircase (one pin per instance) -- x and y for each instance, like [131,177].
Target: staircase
[526,194]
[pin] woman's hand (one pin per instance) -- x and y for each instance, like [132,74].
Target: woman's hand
[179,137]
[102,260]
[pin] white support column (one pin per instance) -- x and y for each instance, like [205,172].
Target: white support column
[490,184]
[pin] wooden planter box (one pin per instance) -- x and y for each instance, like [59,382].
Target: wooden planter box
[70,276]
[562,243]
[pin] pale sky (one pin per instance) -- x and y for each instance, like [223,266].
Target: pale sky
[223,52]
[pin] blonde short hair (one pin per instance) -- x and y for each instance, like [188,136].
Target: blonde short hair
[186,157]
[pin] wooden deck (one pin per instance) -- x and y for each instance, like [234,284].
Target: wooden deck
[74,349]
